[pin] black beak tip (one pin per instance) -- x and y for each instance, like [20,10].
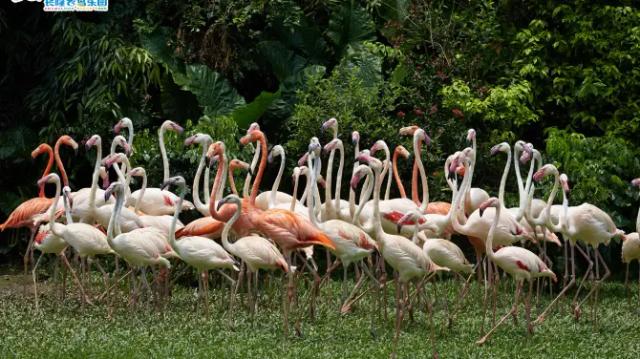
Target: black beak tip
[481,211]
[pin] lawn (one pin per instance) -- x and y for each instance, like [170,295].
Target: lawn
[64,329]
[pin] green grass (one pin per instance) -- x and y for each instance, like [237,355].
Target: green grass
[63,329]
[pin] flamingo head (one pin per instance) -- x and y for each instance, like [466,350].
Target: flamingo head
[215,149]
[358,174]
[138,172]
[232,198]
[42,148]
[239,164]
[332,124]
[66,192]
[177,181]
[253,127]
[355,137]
[421,135]
[172,126]
[411,216]
[636,182]
[104,175]
[544,171]
[303,159]
[408,130]
[50,178]
[379,145]
[471,134]
[95,140]
[365,157]
[253,136]
[122,142]
[116,189]
[296,172]
[491,202]
[332,145]
[114,158]
[314,146]
[277,150]
[68,141]
[527,152]
[402,151]
[500,147]
[124,122]
[199,138]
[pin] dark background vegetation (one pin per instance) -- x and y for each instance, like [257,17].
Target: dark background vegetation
[563,75]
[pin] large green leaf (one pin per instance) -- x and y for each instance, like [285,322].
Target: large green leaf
[157,43]
[284,62]
[351,24]
[215,95]
[250,112]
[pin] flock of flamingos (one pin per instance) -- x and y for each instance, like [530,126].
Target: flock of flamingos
[274,230]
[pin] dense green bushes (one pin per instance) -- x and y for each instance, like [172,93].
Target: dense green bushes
[563,76]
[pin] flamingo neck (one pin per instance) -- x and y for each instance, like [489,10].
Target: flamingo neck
[503,180]
[488,245]
[329,210]
[254,163]
[61,169]
[232,182]
[221,174]
[396,175]
[163,153]
[458,205]
[56,228]
[114,226]
[292,205]
[417,148]
[377,221]
[276,183]
[96,175]
[312,186]
[352,192]
[227,226]
[337,195]
[142,189]
[174,220]
[47,169]
[261,167]
[388,172]
[202,207]
[367,189]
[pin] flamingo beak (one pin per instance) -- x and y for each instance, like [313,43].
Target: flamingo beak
[221,203]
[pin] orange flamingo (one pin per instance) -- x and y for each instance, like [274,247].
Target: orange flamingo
[33,211]
[400,150]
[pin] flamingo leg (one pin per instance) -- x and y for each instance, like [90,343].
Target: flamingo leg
[527,308]
[626,283]
[250,292]
[347,303]
[399,316]
[85,298]
[28,252]
[343,297]
[576,306]
[596,287]
[288,296]
[35,281]
[513,309]
[255,286]
[432,331]
[205,282]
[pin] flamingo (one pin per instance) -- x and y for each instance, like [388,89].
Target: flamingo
[157,202]
[32,211]
[403,255]
[520,263]
[198,252]
[234,165]
[136,246]
[47,242]
[255,251]
[399,151]
[586,223]
[273,198]
[204,141]
[475,196]
[85,239]
[631,243]
[86,199]
[352,244]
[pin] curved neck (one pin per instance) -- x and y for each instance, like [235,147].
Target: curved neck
[503,180]
[142,189]
[125,180]
[367,189]
[96,175]
[56,228]
[352,192]
[458,206]
[229,224]
[377,221]
[174,220]
[232,183]
[516,167]
[389,169]
[201,207]
[114,226]
[312,186]
[261,168]
[112,150]
[276,183]
[254,163]
[524,195]
[61,169]
[221,174]
[417,149]
[163,153]
[47,169]
[488,244]
[396,175]
[67,209]
[328,203]
[336,197]
[292,205]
